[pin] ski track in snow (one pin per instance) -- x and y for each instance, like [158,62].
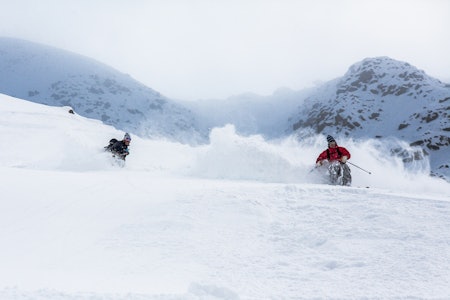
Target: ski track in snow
[74,227]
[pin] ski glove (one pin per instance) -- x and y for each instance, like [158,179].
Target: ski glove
[319,163]
[344,159]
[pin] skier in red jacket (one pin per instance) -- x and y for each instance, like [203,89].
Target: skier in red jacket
[336,157]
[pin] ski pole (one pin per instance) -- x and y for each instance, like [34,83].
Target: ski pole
[313,169]
[359,167]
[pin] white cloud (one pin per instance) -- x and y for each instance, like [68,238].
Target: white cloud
[214,49]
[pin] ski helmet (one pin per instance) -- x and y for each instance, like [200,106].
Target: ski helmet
[127,137]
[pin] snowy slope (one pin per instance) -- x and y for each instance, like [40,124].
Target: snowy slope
[56,77]
[239,218]
[384,98]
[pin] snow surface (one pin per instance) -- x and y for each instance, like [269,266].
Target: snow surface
[239,218]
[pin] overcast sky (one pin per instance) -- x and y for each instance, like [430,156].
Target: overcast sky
[201,49]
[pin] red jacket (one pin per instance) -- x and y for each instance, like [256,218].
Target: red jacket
[334,154]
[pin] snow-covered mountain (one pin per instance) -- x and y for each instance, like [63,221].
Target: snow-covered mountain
[383,98]
[56,77]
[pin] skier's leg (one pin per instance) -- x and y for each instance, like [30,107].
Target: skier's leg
[347,177]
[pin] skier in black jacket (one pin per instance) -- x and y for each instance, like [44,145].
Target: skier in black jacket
[119,148]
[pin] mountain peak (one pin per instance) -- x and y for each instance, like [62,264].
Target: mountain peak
[385,76]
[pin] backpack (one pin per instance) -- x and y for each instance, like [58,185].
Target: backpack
[111,143]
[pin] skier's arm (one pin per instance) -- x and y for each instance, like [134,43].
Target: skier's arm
[345,155]
[321,157]
[344,152]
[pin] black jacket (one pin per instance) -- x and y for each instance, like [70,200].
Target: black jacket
[119,148]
